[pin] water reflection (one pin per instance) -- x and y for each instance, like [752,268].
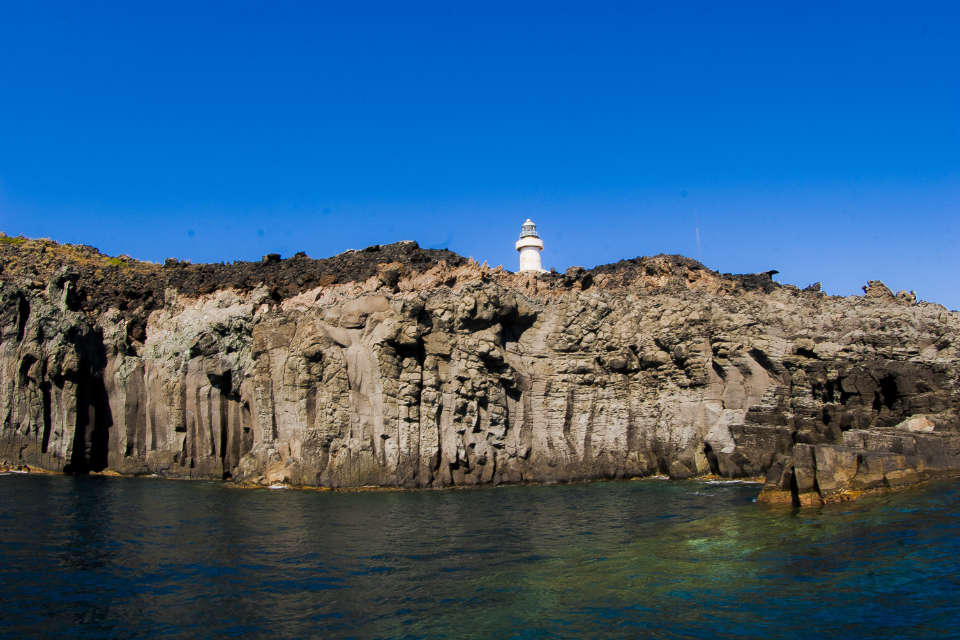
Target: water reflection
[103,557]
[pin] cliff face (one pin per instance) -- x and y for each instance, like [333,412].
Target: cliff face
[401,367]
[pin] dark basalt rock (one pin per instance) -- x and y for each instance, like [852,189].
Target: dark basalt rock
[103,282]
[402,366]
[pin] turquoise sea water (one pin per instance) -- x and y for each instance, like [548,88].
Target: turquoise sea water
[95,557]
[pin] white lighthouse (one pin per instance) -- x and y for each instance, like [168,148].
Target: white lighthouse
[530,245]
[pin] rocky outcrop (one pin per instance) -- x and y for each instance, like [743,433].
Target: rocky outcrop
[399,367]
[864,461]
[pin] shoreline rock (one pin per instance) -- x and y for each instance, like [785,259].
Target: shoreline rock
[399,367]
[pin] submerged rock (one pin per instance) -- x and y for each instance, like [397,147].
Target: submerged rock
[396,366]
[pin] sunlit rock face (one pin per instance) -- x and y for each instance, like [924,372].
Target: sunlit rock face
[446,373]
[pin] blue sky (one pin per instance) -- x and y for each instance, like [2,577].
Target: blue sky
[822,140]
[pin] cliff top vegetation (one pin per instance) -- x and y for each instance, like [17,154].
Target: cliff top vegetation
[122,282]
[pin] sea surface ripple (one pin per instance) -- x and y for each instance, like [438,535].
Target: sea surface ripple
[97,557]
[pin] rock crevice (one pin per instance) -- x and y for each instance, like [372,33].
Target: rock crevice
[429,372]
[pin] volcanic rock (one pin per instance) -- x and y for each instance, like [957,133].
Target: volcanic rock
[397,366]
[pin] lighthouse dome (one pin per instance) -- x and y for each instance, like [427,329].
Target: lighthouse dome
[528,230]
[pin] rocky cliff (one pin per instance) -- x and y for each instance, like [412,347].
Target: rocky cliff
[403,367]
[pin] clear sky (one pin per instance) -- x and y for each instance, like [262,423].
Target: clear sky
[822,140]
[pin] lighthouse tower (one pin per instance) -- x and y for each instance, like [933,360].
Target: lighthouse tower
[530,245]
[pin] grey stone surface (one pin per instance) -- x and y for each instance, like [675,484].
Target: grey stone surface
[463,375]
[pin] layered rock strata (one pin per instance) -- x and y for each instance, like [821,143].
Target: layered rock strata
[419,369]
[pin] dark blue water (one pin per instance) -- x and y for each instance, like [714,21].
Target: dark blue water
[122,558]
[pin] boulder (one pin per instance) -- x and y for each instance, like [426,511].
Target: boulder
[875,289]
[917,424]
